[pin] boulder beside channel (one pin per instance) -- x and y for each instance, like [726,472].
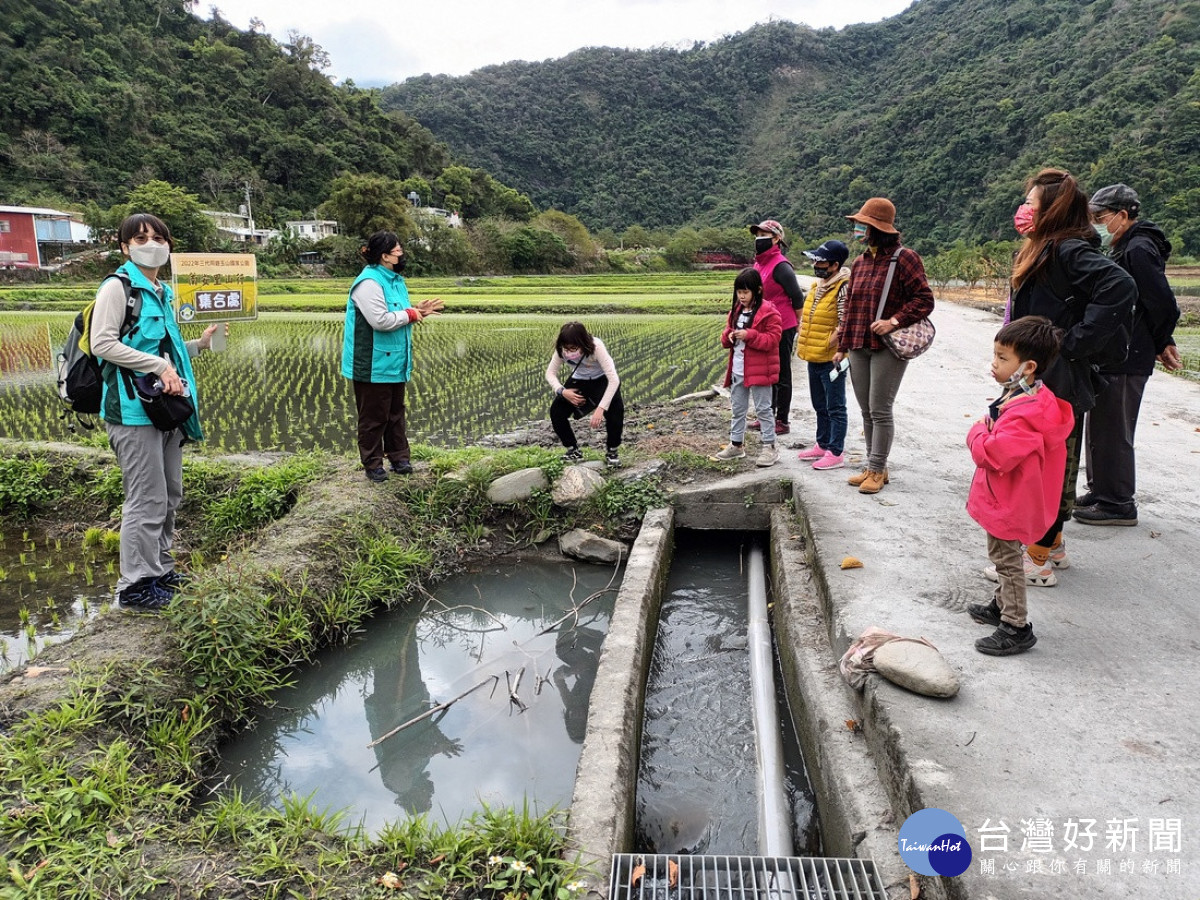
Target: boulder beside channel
[918,667]
[575,485]
[580,544]
[516,487]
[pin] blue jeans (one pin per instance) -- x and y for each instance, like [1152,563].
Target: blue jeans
[829,402]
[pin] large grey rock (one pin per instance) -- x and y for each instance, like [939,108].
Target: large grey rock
[580,544]
[576,485]
[516,487]
[917,667]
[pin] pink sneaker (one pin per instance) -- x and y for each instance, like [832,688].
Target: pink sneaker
[813,452]
[830,460]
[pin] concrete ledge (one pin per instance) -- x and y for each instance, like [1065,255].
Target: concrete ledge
[602,807]
[743,503]
[856,816]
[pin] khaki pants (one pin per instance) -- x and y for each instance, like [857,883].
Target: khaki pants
[1010,568]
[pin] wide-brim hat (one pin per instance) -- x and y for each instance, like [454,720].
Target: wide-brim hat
[879,213]
[768,226]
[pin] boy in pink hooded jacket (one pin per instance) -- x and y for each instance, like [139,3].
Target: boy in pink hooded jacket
[1020,449]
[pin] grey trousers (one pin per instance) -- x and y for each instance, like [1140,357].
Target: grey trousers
[876,376]
[151,464]
[1111,424]
[740,398]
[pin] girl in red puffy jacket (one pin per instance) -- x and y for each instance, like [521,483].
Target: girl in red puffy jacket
[752,333]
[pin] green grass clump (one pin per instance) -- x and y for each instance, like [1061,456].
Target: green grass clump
[25,487]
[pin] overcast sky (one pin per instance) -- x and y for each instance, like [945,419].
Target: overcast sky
[380,42]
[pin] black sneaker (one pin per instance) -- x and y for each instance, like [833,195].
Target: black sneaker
[377,475]
[1103,514]
[612,459]
[174,581]
[573,454]
[146,594]
[404,467]
[984,614]
[1088,499]
[1007,641]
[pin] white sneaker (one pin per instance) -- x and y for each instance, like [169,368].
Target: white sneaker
[1035,575]
[1058,555]
[732,451]
[768,457]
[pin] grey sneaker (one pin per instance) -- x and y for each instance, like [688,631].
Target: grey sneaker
[732,451]
[768,457]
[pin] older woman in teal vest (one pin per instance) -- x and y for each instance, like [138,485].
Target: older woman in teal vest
[377,353]
[151,460]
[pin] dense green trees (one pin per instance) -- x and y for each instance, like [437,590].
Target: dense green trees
[946,109]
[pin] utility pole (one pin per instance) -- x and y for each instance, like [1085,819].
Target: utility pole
[249,211]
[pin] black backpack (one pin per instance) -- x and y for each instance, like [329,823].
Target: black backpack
[80,382]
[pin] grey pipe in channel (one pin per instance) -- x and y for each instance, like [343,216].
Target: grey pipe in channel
[774,819]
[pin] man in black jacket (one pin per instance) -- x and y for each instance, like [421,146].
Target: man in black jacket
[1141,249]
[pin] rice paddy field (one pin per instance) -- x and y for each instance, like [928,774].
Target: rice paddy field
[278,384]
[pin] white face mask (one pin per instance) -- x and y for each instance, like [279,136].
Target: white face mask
[151,255]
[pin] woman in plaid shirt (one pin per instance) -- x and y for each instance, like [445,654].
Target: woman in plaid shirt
[875,373]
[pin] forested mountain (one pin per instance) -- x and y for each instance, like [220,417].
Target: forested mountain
[946,109]
[99,96]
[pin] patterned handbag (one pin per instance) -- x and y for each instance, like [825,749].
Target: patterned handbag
[912,340]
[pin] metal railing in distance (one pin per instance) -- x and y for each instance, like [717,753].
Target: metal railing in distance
[677,877]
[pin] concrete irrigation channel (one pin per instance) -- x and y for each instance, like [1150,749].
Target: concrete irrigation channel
[855,810]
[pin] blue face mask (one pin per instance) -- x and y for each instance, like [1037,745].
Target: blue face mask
[1106,236]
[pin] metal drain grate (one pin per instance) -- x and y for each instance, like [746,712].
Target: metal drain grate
[650,877]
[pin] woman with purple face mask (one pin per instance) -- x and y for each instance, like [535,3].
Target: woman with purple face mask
[592,387]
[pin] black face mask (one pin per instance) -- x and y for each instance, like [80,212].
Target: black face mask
[400,264]
[762,245]
[822,272]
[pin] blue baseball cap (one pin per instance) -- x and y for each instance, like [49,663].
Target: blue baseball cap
[831,251]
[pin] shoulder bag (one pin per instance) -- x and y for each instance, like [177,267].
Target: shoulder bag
[912,340]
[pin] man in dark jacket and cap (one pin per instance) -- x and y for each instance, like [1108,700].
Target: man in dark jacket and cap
[1141,249]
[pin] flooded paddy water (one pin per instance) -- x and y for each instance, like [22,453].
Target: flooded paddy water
[48,587]
[513,739]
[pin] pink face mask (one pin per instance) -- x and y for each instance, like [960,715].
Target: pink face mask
[1023,219]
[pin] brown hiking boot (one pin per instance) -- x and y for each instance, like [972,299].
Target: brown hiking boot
[873,483]
[858,479]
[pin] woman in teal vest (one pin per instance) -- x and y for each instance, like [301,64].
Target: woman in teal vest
[151,460]
[377,353]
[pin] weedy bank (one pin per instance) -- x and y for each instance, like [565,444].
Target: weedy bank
[108,742]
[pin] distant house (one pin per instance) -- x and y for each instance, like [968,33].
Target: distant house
[238,228]
[453,219]
[28,232]
[313,229]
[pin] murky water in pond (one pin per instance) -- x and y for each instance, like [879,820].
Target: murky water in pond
[48,587]
[696,789]
[485,748]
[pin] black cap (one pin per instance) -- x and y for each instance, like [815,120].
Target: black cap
[1116,197]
